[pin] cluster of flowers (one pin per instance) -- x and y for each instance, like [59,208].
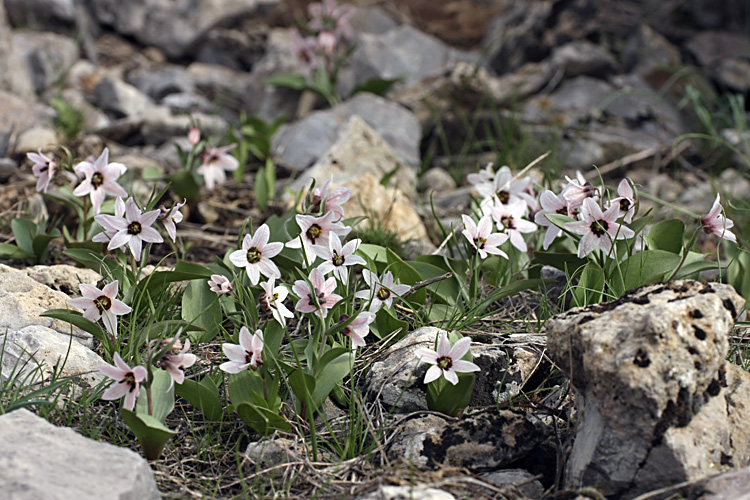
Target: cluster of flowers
[327,28]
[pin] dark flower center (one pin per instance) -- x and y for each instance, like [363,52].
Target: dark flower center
[445,363]
[253,255]
[321,298]
[562,211]
[383,294]
[97,180]
[503,196]
[134,228]
[314,232]
[103,303]
[479,242]
[347,330]
[507,222]
[129,379]
[249,359]
[599,227]
[624,205]
[338,260]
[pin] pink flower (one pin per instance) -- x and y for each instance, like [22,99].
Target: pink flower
[194,136]
[509,219]
[626,200]
[101,179]
[109,230]
[359,328]
[336,257]
[447,361]
[482,238]
[504,187]
[175,362]
[316,231]
[249,352]
[132,230]
[128,381]
[101,304]
[215,162]
[220,284]
[380,292]
[484,176]
[44,167]
[306,51]
[272,299]
[714,222]
[322,290]
[598,230]
[256,254]
[333,198]
[172,217]
[577,190]
[327,15]
[551,204]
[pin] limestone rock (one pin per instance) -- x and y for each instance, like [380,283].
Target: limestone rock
[582,57]
[120,98]
[657,402]
[709,47]
[418,492]
[521,480]
[40,460]
[17,114]
[47,56]
[30,140]
[13,78]
[436,180]
[34,352]
[22,299]
[63,277]
[303,143]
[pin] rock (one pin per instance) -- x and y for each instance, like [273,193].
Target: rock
[47,56]
[121,99]
[404,52]
[238,49]
[160,80]
[271,452]
[417,492]
[299,145]
[22,299]
[13,78]
[93,117]
[17,115]
[31,139]
[515,35]
[709,47]
[371,19]
[159,124]
[734,74]
[218,84]
[582,57]
[657,402]
[40,460]
[520,480]
[436,180]
[36,13]
[188,102]
[480,441]
[728,486]
[63,277]
[176,27]
[33,353]
[647,51]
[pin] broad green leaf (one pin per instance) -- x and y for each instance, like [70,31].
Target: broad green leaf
[261,188]
[8,251]
[151,433]
[506,291]
[456,266]
[590,286]
[204,395]
[303,385]
[377,86]
[200,306]
[386,323]
[288,80]
[452,399]
[331,372]
[262,420]
[642,268]
[666,235]
[407,275]
[184,184]
[375,253]
[162,397]
[152,173]
[76,319]
[24,231]
[561,261]
[446,290]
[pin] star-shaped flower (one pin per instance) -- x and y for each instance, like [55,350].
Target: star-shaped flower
[256,254]
[215,162]
[598,229]
[101,304]
[316,231]
[321,292]
[381,291]
[109,230]
[44,167]
[626,199]
[359,328]
[337,257]
[132,230]
[551,204]
[333,198]
[482,238]
[176,360]
[714,222]
[100,179]
[172,217]
[248,354]
[220,284]
[447,361]
[272,299]
[509,219]
[128,381]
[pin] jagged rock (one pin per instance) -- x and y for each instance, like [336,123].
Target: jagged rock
[173,26]
[47,56]
[158,81]
[709,47]
[657,402]
[40,460]
[17,115]
[734,74]
[62,277]
[33,353]
[22,299]
[217,83]
[301,144]
[582,57]
[371,19]
[520,480]
[417,492]
[436,180]
[648,52]
[13,78]
[238,49]
[120,98]
[480,441]
[34,138]
[404,52]
[35,13]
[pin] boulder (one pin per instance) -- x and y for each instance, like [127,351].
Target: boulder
[40,460]
[13,78]
[657,402]
[47,56]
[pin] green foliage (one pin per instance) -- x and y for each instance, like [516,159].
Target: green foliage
[69,120]
[32,242]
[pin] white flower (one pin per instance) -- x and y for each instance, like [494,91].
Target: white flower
[128,381]
[482,238]
[380,292]
[215,162]
[359,328]
[716,223]
[220,284]
[133,230]
[249,352]
[447,361]
[316,231]
[551,204]
[44,167]
[100,179]
[598,229]
[509,219]
[101,304]
[273,298]
[337,257]
[172,217]
[256,254]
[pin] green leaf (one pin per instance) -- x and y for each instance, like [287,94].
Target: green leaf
[666,235]
[184,184]
[262,189]
[151,433]
[76,319]
[377,86]
[404,273]
[446,291]
[204,395]
[303,385]
[24,231]
[561,261]
[162,397]
[375,253]
[506,291]
[152,173]
[288,80]
[451,399]
[8,251]
[331,372]
[649,266]
[590,287]
[386,323]
[262,420]
[200,306]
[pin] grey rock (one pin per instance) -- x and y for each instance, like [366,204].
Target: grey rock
[63,277]
[33,353]
[121,99]
[734,74]
[657,402]
[647,51]
[708,47]
[218,84]
[159,124]
[480,441]
[371,19]
[173,26]
[18,114]
[158,81]
[22,299]
[728,486]
[417,492]
[404,52]
[34,138]
[13,78]
[35,13]
[93,117]
[582,57]
[47,56]
[40,460]
[188,102]
[436,180]
[299,145]
[520,480]
[271,452]
[238,49]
